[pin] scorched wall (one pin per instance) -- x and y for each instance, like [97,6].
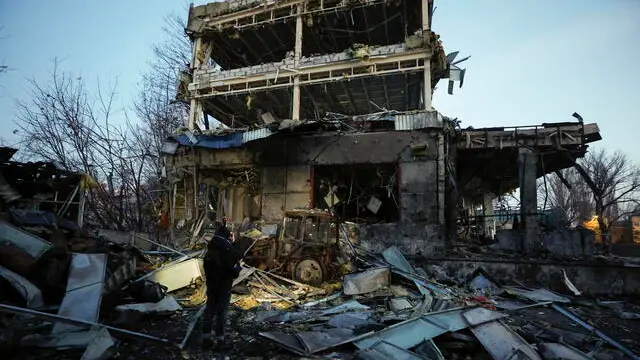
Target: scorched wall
[287,163]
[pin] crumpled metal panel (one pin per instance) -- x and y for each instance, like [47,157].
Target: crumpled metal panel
[394,257]
[84,290]
[255,134]
[502,342]
[556,351]
[28,243]
[314,341]
[168,304]
[366,281]
[383,350]
[29,292]
[178,275]
[351,305]
[421,120]
[538,295]
[595,331]
[288,341]
[412,332]
[101,346]
[351,320]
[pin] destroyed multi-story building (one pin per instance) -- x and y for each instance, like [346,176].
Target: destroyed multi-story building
[328,104]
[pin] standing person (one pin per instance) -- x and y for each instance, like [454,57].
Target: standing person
[220,268]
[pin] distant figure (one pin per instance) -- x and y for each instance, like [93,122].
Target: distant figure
[221,267]
[516,223]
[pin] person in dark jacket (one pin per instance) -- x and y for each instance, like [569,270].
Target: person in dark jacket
[221,268]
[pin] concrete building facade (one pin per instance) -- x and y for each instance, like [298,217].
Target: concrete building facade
[327,104]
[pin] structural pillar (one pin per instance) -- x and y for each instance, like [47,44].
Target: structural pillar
[487,214]
[528,174]
[195,108]
[426,33]
[297,54]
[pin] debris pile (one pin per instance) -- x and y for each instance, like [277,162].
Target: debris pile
[110,297]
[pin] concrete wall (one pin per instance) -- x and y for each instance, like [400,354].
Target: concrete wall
[592,279]
[411,238]
[283,188]
[419,192]
[286,161]
[343,149]
[562,243]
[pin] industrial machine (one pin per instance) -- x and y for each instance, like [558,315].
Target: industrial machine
[306,247]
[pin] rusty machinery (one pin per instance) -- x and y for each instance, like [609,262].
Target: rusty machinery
[305,247]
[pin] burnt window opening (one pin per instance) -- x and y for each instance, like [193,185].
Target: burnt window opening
[358,193]
[309,229]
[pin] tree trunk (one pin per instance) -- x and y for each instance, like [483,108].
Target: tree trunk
[604,229]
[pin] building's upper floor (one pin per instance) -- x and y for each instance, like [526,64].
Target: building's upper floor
[252,32]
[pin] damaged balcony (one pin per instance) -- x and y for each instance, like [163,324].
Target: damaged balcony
[558,145]
[354,82]
[247,33]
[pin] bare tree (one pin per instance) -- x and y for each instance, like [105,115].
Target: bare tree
[609,187]
[158,110]
[156,106]
[568,193]
[65,123]
[615,183]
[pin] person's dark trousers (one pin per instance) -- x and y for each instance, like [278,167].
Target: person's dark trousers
[218,298]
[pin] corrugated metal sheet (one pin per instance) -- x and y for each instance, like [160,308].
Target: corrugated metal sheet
[213,142]
[421,120]
[255,135]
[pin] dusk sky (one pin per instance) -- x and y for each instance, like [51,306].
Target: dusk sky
[531,61]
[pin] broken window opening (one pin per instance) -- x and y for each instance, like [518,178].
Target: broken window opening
[364,193]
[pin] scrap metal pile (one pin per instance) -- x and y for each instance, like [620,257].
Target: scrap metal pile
[121,297]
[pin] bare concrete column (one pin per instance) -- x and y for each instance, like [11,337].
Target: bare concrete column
[487,212]
[195,108]
[297,54]
[527,166]
[441,166]
[427,63]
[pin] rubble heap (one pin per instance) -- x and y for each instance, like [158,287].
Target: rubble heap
[120,299]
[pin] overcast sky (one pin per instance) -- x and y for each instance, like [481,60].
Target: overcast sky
[532,61]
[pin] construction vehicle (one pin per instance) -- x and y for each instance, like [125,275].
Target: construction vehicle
[306,247]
